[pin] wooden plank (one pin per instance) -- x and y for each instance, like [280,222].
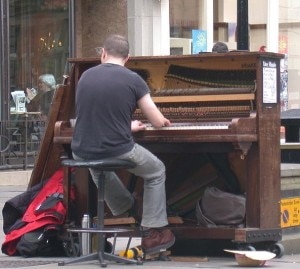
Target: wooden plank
[131,220]
[119,221]
[204,98]
[175,220]
[160,256]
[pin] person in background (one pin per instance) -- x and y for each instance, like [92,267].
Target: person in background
[40,100]
[106,97]
[262,48]
[219,47]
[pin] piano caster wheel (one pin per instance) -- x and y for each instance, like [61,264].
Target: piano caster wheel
[277,249]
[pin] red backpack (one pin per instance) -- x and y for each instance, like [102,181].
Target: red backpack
[45,213]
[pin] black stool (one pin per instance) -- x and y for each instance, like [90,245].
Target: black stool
[101,165]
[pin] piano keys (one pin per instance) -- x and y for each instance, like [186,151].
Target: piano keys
[189,126]
[218,107]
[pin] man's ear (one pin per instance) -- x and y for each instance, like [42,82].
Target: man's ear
[103,55]
[126,59]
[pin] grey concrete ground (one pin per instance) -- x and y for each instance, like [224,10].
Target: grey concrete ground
[286,262]
[6,192]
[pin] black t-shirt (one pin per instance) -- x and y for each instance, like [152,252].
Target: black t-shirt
[106,98]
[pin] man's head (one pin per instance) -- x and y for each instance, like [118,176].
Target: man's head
[220,47]
[115,46]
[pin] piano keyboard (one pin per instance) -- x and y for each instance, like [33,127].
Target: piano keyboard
[191,126]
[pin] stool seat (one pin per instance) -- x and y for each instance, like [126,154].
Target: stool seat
[108,164]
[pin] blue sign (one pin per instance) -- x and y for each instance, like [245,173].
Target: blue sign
[199,41]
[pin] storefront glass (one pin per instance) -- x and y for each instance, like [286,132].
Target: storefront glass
[38,43]
[36,59]
[184,17]
[289,38]
[189,20]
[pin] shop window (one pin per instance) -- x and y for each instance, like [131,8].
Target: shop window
[39,47]
[184,17]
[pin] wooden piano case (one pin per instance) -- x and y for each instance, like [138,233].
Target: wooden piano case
[225,111]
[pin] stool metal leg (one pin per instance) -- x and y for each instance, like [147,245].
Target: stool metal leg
[100,221]
[100,224]
[101,255]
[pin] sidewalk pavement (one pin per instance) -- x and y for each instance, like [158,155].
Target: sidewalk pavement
[7,192]
[286,262]
[182,262]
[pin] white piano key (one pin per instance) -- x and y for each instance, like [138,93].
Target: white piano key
[196,126]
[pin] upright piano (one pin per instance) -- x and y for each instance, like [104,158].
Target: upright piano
[225,115]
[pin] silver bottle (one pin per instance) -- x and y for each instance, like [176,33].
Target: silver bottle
[85,237]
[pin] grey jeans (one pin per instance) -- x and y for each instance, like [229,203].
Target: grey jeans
[152,170]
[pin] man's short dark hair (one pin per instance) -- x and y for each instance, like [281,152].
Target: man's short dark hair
[116,45]
[220,47]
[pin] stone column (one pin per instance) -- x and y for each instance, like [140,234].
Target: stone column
[273,26]
[206,17]
[148,27]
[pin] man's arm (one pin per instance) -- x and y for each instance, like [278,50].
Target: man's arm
[152,113]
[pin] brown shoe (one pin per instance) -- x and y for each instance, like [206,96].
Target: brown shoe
[155,240]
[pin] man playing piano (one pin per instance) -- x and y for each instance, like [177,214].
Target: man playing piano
[106,98]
